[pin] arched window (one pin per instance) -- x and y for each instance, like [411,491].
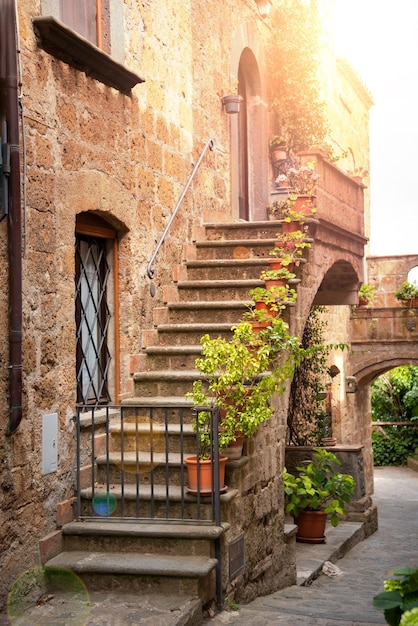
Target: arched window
[96,311]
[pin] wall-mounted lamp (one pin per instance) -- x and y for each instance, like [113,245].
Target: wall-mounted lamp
[264,7]
[333,371]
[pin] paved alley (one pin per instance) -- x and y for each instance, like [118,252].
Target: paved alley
[346,599]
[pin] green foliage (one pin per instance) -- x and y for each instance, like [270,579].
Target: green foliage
[319,487]
[399,601]
[294,56]
[240,375]
[307,418]
[407,291]
[394,445]
[366,292]
[394,395]
[394,398]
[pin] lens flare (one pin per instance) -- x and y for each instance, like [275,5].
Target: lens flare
[48,595]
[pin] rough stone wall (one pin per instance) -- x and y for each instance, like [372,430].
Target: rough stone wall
[387,273]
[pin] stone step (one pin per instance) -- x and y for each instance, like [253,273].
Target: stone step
[167,382]
[227,269]
[209,312]
[217,290]
[160,502]
[141,572]
[144,537]
[187,334]
[238,231]
[161,437]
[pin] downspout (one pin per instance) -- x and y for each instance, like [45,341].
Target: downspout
[8,51]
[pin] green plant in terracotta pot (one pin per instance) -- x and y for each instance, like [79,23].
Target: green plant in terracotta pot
[240,375]
[319,488]
[366,294]
[407,292]
[274,299]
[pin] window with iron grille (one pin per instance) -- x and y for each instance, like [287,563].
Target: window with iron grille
[92,320]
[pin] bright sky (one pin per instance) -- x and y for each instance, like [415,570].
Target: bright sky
[380,39]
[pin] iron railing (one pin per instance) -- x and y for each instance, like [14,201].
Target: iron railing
[131,464]
[150,270]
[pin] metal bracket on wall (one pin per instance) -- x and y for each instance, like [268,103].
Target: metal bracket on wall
[351,384]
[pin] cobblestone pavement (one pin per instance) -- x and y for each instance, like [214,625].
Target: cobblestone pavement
[342,600]
[346,599]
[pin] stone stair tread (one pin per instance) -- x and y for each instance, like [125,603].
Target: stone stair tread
[223,243]
[220,283]
[142,457]
[190,349]
[144,427]
[212,304]
[176,492]
[168,374]
[229,262]
[80,561]
[146,529]
[203,328]
[159,401]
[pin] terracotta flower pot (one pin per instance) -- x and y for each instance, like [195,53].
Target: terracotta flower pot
[311,526]
[200,475]
[304,204]
[290,227]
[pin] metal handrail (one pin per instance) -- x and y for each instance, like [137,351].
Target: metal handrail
[150,271]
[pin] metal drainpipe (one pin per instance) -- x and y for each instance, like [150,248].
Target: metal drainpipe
[8,49]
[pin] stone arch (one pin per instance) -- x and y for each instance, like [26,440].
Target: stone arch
[338,284]
[249,139]
[370,371]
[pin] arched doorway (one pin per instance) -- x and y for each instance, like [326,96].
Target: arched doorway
[248,144]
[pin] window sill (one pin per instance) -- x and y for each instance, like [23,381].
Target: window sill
[65,44]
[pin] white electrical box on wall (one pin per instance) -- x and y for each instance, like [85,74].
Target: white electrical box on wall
[49,443]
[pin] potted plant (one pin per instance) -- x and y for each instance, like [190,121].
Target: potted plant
[294,242]
[278,210]
[399,600]
[318,490]
[231,100]
[278,148]
[366,295]
[200,467]
[302,180]
[274,283]
[275,298]
[408,294]
[240,375]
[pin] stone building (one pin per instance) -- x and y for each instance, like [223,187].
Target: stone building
[104,126]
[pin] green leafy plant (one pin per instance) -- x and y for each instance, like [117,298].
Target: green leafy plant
[319,487]
[366,292]
[277,142]
[407,291]
[275,298]
[310,381]
[240,375]
[399,601]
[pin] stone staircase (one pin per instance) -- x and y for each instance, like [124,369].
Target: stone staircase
[209,294]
